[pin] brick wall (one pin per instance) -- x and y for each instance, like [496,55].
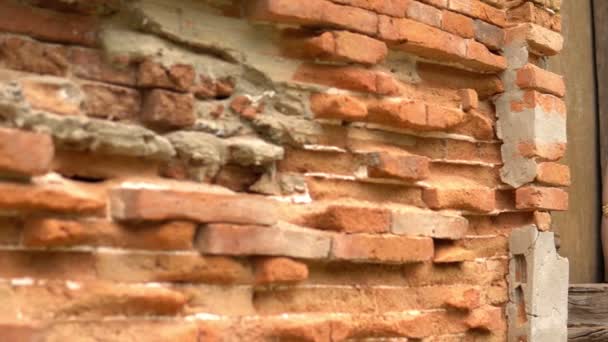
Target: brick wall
[272,170]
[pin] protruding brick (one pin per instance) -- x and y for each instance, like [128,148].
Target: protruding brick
[542,220]
[340,107]
[478,9]
[551,173]
[469,249]
[279,270]
[348,77]
[382,248]
[401,114]
[480,58]
[428,223]
[352,219]
[470,99]
[25,153]
[487,318]
[458,24]
[424,13]
[529,13]
[489,35]
[179,77]
[401,166]
[475,199]
[533,77]
[28,55]
[168,109]
[111,102]
[540,40]
[48,25]
[199,203]
[532,99]
[280,240]
[535,197]
[52,94]
[59,232]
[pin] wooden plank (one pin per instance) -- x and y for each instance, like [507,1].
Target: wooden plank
[588,305]
[579,228]
[588,334]
[600,15]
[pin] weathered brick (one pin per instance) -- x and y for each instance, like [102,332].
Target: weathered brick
[52,94]
[59,232]
[111,102]
[102,7]
[551,173]
[381,248]
[470,99]
[48,25]
[280,240]
[458,24]
[549,151]
[395,8]
[429,224]
[339,107]
[28,55]
[168,109]
[127,330]
[352,219]
[486,318]
[471,248]
[47,265]
[178,77]
[92,65]
[475,199]
[403,166]
[542,220]
[479,10]
[529,13]
[199,203]
[56,197]
[304,161]
[25,153]
[535,197]
[442,118]
[489,35]
[533,77]
[424,13]
[347,77]
[481,59]
[279,270]
[532,99]
[540,40]
[486,85]
[401,114]
[314,13]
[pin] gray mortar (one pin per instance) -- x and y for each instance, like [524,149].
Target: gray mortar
[538,282]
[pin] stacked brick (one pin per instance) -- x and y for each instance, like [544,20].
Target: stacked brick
[272,170]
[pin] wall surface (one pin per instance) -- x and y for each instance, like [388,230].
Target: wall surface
[281,170]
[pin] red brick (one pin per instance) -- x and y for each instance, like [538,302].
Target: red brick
[529,13]
[314,13]
[346,77]
[536,197]
[352,219]
[533,99]
[533,77]
[486,85]
[489,35]
[470,100]
[540,40]
[469,249]
[475,199]
[208,88]
[479,10]
[25,153]
[381,248]
[60,197]
[111,102]
[281,240]
[339,107]
[279,270]
[481,59]
[178,77]
[401,166]
[194,202]
[458,24]
[395,8]
[52,94]
[551,173]
[424,13]
[168,109]
[28,55]
[59,232]
[429,224]
[48,25]
[401,114]
[91,65]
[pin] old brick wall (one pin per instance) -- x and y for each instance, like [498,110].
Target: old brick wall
[272,170]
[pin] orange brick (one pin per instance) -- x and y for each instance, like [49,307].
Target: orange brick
[458,24]
[91,65]
[529,13]
[540,40]
[403,114]
[25,153]
[401,166]
[479,10]
[470,100]
[352,219]
[28,55]
[381,248]
[480,58]
[52,94]
[533,99]
[469,249]
[535,197]
[111,102]
[442,118]
[476,199]
[533,77]
[550,151]
[487,318]
[48,25]
[179,77]
[279,270]
[486,85]
[167,109]
[553,174]
[424,13]
[394,8]
[542,220]
[340,107]
[343,77]
[489,35]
